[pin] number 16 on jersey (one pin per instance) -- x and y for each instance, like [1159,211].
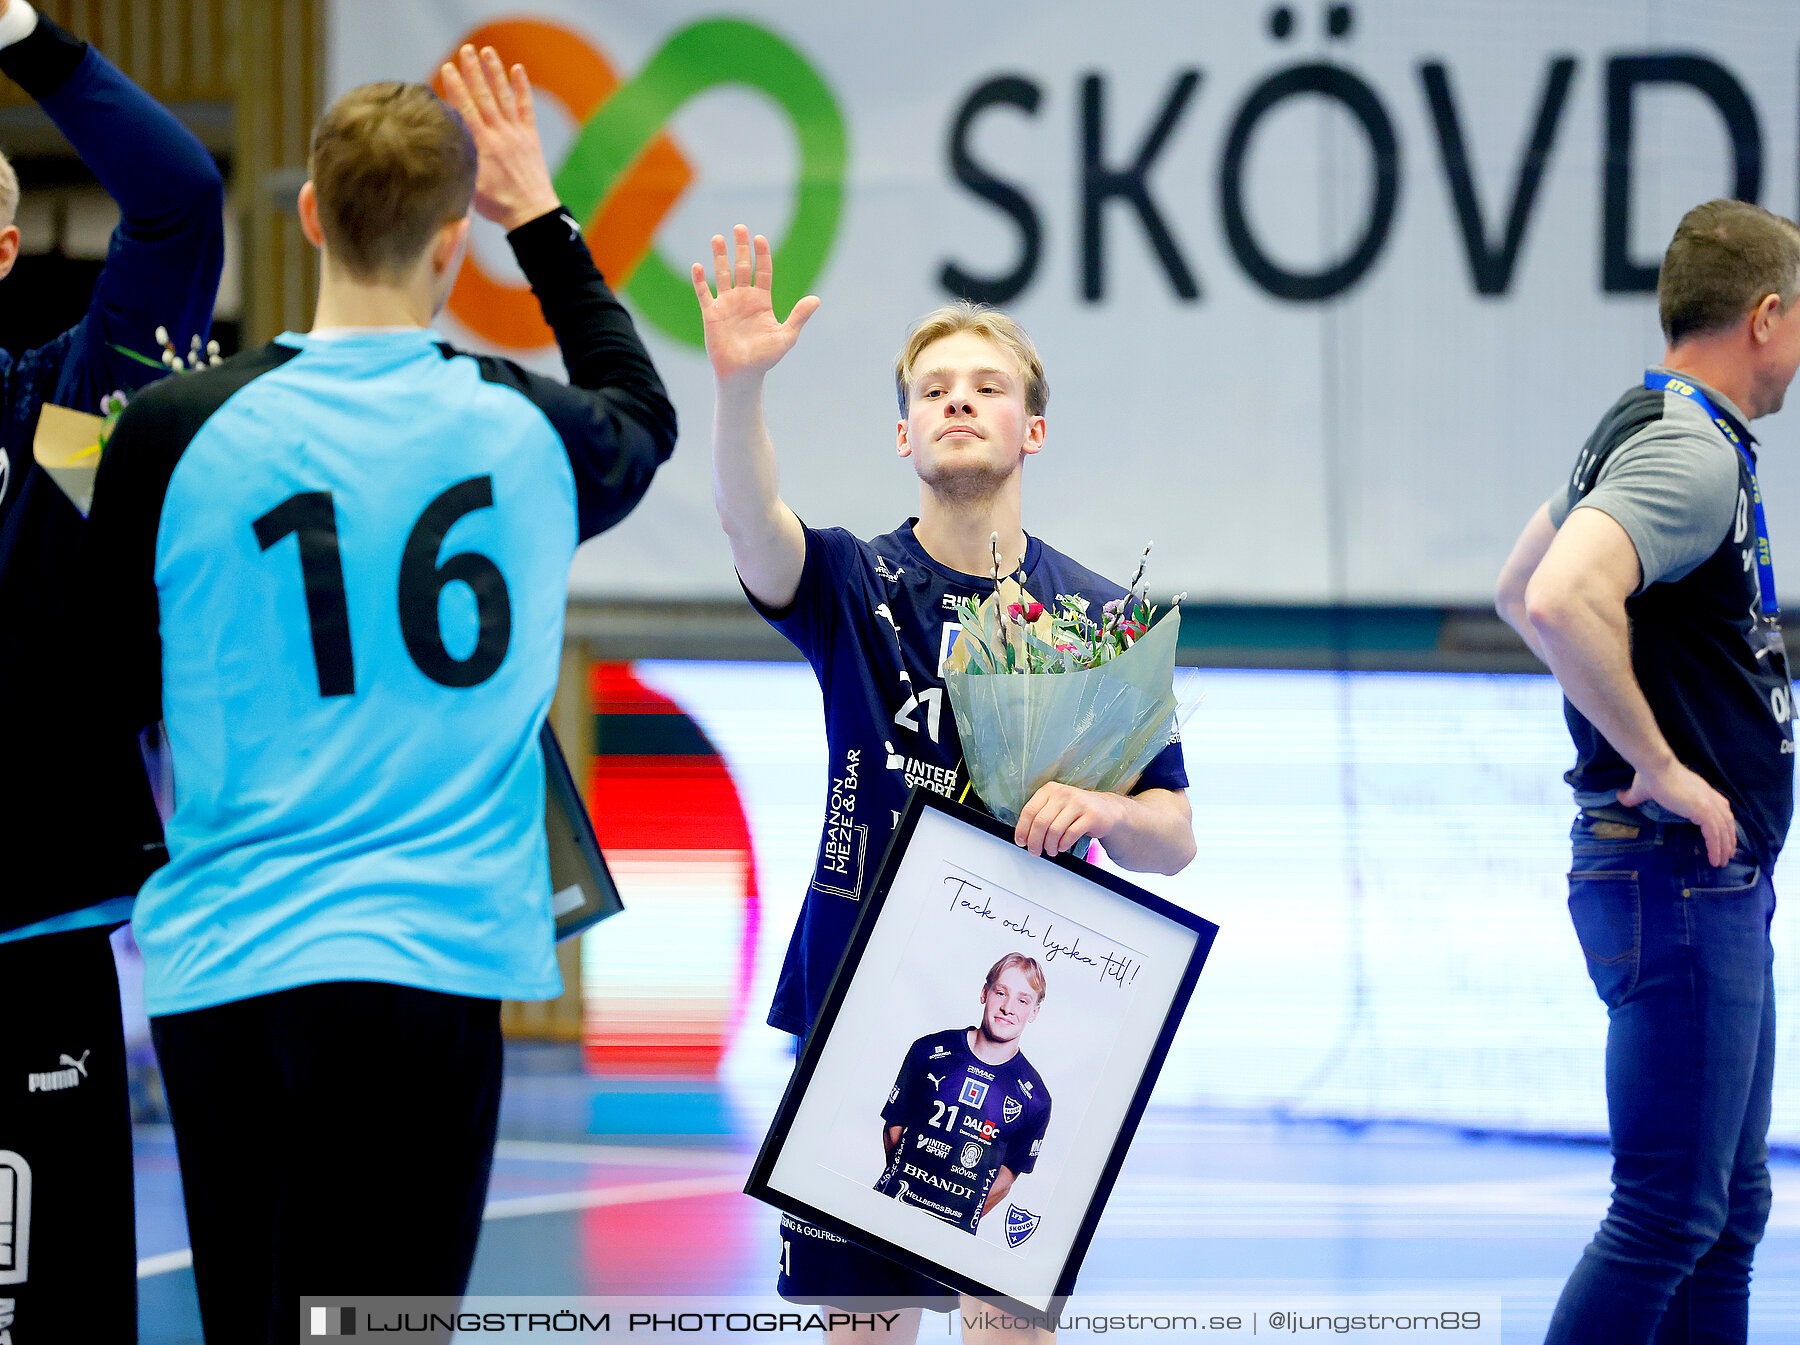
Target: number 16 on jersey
[311,518]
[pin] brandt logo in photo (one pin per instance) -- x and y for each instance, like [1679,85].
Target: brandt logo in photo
[974,1093]
[1020,1224]
[50,1081]
[942,1183]
[1011,1110]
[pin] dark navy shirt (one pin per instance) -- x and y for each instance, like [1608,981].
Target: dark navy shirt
[963,1120]
[77,821]
[876,620]
[1714,673]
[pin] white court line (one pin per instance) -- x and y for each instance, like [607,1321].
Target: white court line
[164,1262]
[637,1193]
[618,1155]
[547,1151]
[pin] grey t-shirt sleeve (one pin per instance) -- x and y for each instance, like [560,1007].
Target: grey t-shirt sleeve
[1675,495]
[1558,505]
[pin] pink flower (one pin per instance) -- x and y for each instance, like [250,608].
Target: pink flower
[1131,630]
[1033,611]
[1066,648]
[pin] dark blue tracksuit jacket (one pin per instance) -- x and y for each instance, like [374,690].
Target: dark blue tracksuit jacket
[77,825]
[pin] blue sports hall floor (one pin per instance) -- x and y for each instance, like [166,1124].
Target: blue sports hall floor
[1222,1208]
[1384,854]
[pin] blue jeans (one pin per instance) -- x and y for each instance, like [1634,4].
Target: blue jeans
[1680,954]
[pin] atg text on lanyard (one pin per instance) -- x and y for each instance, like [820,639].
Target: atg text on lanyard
[1765,562]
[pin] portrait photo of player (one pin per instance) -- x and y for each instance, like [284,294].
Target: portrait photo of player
[967,1114]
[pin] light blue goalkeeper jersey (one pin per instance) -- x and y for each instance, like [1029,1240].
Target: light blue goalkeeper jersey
[357,577]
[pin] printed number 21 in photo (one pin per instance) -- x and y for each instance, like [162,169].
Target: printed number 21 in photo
[311,516]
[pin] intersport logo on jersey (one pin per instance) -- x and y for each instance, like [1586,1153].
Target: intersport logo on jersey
[625,171]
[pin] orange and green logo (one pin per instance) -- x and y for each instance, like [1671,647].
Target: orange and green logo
[624,172]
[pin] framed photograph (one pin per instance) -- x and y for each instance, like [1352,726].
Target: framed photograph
[966,1098]
[581,888]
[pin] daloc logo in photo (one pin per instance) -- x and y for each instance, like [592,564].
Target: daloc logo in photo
[1020,1224]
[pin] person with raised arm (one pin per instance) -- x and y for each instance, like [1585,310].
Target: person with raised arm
[875,620]
[338,570]
[78,824]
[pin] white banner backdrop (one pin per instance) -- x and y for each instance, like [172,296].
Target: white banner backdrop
[1384,855]
[1291,335]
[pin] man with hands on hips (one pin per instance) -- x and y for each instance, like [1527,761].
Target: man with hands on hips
[1647,585]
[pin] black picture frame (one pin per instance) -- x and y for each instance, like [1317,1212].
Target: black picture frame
[582,891]
[765,1182]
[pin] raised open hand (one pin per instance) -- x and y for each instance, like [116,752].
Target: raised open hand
[742,335]
[512,181]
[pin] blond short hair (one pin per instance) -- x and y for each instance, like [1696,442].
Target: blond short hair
[964,316]
[1027,966]
[391,163]
[9,192]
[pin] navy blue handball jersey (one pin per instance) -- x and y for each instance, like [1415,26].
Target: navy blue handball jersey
[876,621]
[961,1120]
[69,867]
[339,564]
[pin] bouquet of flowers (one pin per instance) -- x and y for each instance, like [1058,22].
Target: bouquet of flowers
[1056,694]
[68,444]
